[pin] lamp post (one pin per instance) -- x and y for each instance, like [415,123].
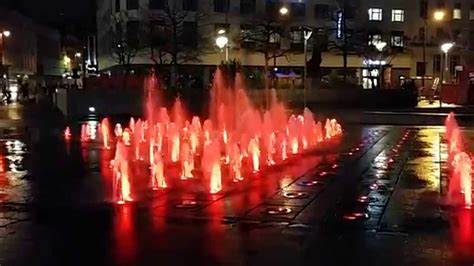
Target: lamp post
[445,47]
[307,36]
[438,15]
[3,34]
[380,46]
[223,42]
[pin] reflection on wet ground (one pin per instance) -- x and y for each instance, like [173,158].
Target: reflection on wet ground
[374,199]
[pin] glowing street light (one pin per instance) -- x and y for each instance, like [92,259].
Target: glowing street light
[78,54]
[6,33]
[439,15]
[380,46]
[221,31]
[284,11]
[445,47]
[222,42]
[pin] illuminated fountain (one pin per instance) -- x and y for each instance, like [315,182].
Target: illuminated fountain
[121,183]
[236,140]
[460,182]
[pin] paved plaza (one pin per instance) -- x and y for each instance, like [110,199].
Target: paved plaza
[372,197]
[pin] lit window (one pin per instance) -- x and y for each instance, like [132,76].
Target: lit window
[374,39]
[398,15]
[375,14]
[296,36]
[274,37]
[457,11]
[397,39]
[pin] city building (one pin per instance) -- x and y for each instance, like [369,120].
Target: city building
[399,38]
[27,48]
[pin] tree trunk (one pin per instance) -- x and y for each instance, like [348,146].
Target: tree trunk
[267,82]
[344,48]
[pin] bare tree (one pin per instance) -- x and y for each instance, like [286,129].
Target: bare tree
[264,36]
[125,39]
[345,40]
[174,36]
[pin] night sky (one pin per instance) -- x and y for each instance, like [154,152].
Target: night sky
[75,17]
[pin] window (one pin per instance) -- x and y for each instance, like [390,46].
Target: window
[457,11]
[133,32]
[157,4]
[221,28]
[321,38]
[297,36]
[118,29]
[117,6]
[454,60]
[424,9]
[374,39]
[297,39]
[471,40]
[397,39]
[247,6]
[456,35]
[132,4]
[471,13]
[275,38]
[440,33]
[190,5]
[298,9]
[246,36]
[273,7]
[398,15]
[375,14]
[221,6]
[190,34]
[421,34]
[321,11]
[420,69]
[157,27]
[437,63]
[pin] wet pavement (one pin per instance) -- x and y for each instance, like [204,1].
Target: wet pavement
[372,197]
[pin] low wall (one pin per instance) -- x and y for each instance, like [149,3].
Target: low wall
[105,102]
[343,98]
[130,102]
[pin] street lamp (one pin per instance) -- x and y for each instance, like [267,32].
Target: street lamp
[6,33]
[222,42]
[445,47]
[307,35]
[439,15]
[380,46]
[284,11]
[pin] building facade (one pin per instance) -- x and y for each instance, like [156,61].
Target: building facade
[398,38]
[29,48]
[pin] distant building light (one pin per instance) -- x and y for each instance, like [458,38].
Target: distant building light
[92,109]
[339,25]
[369,62]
